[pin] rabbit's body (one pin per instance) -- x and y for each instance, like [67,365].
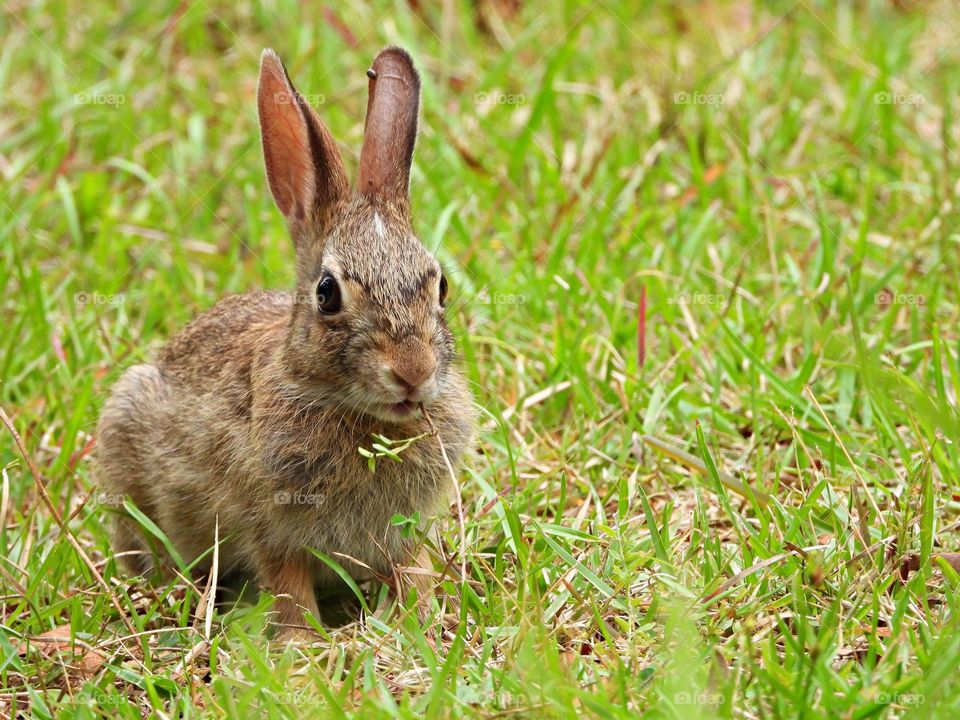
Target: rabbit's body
[252,417]
[224,424]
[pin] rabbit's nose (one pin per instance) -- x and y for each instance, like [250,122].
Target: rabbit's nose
[410,375]
[411,364]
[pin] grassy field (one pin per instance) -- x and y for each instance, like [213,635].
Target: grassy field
[704,264]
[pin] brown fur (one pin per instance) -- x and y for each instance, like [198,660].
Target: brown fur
[252,415]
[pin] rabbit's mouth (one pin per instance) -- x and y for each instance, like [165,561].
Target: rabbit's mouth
[405,410]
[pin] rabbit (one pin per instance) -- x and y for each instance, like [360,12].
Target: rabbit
[250,419]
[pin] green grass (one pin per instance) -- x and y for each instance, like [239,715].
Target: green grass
[778,181]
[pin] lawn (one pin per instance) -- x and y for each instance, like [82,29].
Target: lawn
[703,263]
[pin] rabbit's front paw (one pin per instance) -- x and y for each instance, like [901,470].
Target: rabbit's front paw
[295,634]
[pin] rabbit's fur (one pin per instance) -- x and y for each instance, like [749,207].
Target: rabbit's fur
[253,415]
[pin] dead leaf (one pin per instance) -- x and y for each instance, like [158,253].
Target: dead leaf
[58,641]
[710,176]
[911,563]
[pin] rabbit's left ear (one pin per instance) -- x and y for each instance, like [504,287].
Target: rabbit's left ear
[391,128]
[304,168]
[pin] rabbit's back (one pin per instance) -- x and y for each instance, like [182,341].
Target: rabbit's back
[220,344]
[171,433]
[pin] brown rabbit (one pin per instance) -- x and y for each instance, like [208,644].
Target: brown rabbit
[253,415]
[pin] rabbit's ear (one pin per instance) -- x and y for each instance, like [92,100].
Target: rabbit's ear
[391,128]
[304,168]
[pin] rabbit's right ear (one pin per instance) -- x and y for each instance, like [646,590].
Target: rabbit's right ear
[304,168]
[390,131]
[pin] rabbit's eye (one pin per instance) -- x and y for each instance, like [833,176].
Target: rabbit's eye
[328,295]
[443,288]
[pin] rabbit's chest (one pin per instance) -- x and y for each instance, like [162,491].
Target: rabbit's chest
[336,499]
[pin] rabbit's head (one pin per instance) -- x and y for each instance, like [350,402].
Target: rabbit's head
[367,329]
